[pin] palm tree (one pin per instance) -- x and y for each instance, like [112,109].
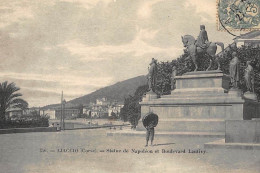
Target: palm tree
[9,98]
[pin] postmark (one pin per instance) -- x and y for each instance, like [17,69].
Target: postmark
[237,15]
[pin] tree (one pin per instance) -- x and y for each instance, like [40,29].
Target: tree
[9,98]
[132,110]
[113,114]
[184,64]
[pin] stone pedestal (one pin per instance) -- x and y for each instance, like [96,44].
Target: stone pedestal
[242,131]
[150,96]
[250,95]
[201,102]
[239,134]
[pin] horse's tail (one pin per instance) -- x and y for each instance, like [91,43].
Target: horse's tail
[222,47]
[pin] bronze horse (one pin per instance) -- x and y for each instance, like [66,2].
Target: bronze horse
[189,42]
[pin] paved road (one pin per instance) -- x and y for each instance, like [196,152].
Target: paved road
[80,151]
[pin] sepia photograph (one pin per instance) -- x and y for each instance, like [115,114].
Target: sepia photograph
[130,86]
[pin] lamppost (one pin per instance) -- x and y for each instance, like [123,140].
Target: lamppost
[62,110]
[90,118]
[63,113]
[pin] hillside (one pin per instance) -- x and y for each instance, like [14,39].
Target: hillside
[117,92]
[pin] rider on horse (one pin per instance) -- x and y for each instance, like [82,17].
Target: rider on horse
[201,45]
[202,41]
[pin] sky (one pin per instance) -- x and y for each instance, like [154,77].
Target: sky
[79,46]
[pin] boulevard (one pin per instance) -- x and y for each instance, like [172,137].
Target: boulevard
[93,151]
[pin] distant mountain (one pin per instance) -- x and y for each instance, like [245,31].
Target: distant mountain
[117,92]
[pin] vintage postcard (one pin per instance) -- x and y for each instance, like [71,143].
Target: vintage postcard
[129,86]
[238,15]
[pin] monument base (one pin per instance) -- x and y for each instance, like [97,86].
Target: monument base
[239,134]
[150,96]
[242,131]
[201,102]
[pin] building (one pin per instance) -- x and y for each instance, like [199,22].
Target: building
[116,108]
[49,112]
[18,112]
[99,111]
[103,101]
[32,110]
[249,39]
[69,113]
[14,112]
[86,111]
[103,108]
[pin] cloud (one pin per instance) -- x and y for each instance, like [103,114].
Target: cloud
[204,8]
[13,12]
[138,47]
[145,9]
[89,4]
[79,46]
[52,85]
[77,80]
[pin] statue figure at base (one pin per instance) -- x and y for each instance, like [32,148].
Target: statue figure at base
[249,77]
[234,70]
[152,71]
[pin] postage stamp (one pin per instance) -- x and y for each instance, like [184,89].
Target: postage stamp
[238,15]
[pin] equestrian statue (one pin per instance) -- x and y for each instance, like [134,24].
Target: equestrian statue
[201,45]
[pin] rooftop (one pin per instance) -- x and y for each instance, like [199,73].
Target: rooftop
[248,35]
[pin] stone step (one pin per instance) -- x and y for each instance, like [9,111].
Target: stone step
[197,111]
[199,91]
[194,125]
[195,95]
[220,144]
[188,125]
[167,134]
[200,80]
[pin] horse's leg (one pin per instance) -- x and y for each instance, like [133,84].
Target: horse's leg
[211,60]
[193,54]
[211,51]
[196,67]
[217,60]
[222,49]
[210,64]
[194,59]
